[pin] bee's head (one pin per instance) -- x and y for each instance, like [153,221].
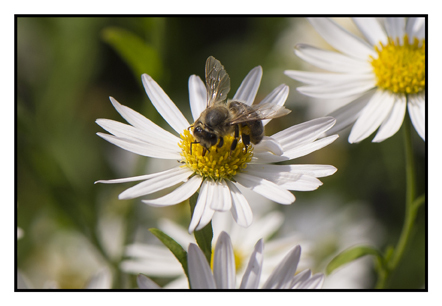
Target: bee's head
[204,137]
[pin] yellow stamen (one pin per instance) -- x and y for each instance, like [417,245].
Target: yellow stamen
[400,68]
[217,163]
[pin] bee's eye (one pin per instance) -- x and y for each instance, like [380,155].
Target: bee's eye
[198,129]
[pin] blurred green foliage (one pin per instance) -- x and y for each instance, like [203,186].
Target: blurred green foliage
[68,66]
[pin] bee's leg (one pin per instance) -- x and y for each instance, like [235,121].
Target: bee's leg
[235,140]
[245,140]
[191,145]
[220,143]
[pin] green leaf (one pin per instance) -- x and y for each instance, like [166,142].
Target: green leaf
[351,254]
[173,246]
[204,236]
[138,54]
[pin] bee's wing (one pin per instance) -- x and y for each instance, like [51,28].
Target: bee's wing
[260,112]
[217,81]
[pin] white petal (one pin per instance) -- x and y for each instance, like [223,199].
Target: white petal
[395,27]
[276,98]
[265,188]
[267,158]
[304,183]
[166,179]
[131,179]
[141,148]
[101,280]
[246,92]
[197,96]
[394,120]
[415,28]
[158,267]
[164,105]
[284,177]
[341,39]
[224,263]
[315,282]
[241,211]
[358,85]
[180,194]
[200,275]
[300,278]
[146,283]
[133,134]
[348,113]
[372,30]
[252,274]
[285,271]
[142,123]
[212,195]
[176,231]
[201,204]
[312,170]
[332,61]
[269,144]
[308,148]
[263,228]
[146,251]
[305,132]
[223,200]
[271,173]
[206,217]
[372,116]
[318,78]
[416,109]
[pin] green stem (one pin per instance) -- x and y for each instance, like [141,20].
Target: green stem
[410,211]
[411,207]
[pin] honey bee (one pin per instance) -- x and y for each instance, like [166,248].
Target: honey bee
[221,118]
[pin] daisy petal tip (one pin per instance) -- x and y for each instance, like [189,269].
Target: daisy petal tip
[331,119]
[298,47]
[122,196]
[191,229]
[114,101]
[146,77]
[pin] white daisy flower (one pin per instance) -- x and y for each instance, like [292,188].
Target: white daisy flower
[218,172]
[381,74]
[158,261]
[224,276]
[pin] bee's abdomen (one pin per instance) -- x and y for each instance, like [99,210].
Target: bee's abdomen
[256,131]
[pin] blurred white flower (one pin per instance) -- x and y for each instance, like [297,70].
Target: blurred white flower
[101,280]
[379,75]
[284,276]
[158,261]
[331,229]
[66,260]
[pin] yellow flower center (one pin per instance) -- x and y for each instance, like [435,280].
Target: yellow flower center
[216,163]
[400,68]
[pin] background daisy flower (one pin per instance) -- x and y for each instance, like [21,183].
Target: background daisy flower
[158,261]
[217,174]
[381,75]
[224,276]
